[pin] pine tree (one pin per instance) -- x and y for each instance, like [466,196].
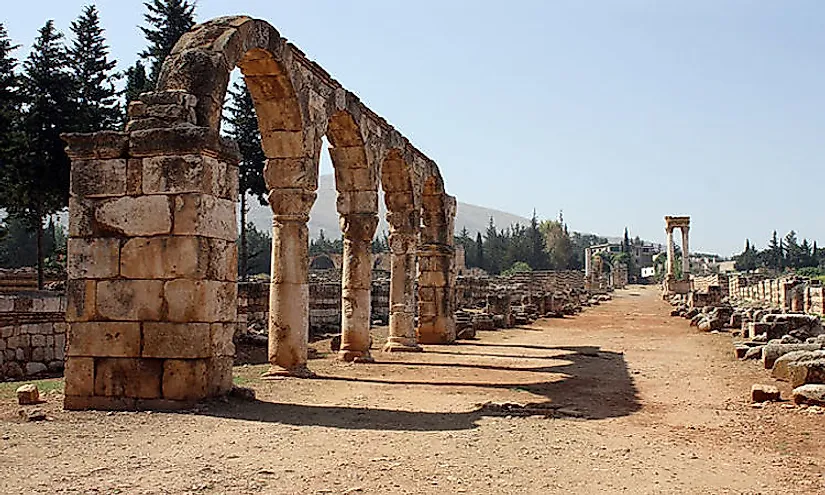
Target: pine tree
[136,83]
[10,136]
[480,251]
[40,186]
[92,71]
[243,128]
[167,21]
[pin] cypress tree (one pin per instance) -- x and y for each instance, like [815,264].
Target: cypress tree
[40,186]
[10,137]
[92,71]
[167,21]
[243,128]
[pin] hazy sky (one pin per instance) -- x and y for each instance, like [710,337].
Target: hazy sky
[617,112]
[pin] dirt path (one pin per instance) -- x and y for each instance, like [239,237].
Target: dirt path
[660,409]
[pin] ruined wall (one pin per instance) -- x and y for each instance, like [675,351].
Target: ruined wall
[324,305]
[703,283]
[32,333]
[786,293]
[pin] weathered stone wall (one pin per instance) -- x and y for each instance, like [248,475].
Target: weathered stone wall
[721,280]
[324,305]
[32,333]
[786,293]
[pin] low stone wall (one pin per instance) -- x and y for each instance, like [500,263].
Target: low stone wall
[703,283]
[32,333]
[324,305]
[786,293]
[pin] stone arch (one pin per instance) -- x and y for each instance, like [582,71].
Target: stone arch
[322,262]
[404,217]
[357,184]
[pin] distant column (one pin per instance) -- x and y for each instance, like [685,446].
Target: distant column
[671,255]
[685,253]
[358,229]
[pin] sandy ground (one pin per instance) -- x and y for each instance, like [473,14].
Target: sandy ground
[660,408]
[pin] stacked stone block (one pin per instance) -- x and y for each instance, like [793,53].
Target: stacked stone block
[152,261]
[32,333]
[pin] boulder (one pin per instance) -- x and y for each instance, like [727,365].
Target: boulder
[804,371]
[754,353]
[28,394]
[780,366]
[772,352]
[811,394]
[764,393]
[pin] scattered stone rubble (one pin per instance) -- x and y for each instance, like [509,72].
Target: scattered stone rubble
[773,321]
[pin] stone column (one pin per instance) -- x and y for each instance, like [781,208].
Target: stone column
[402,293]
[671,253]
[436,321]
[356,282]
[289,288]
[685,254]
[587,261]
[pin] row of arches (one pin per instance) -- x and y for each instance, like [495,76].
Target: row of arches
[298,104]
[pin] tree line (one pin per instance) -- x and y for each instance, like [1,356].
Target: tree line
[67,86]
[540,245]
[785,253]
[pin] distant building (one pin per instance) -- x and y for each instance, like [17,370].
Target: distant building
[648,271]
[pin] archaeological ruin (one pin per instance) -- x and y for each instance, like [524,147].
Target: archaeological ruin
[152,277]
[673,284]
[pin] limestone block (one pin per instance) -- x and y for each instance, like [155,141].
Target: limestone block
[287,173]
[98,145]
[134,378]
[185,379]
[6,304]
[98,178]
[80,296]
[221,338]
[223,260]
[48,304]
[134,177]
[204,215]
[28,394]
[281,143]
[130,300]
[93,257]
[357,202]
[220,375]
[432,279]
[164,257]
[355,179]
[135,216]
[81,216]
[174,141]
[764,393]
[811,394]
[177,174]
[201,301]
[38,341]
[176,340]
[348,156]
[79,376]
[33,368]
[224,178]
[104,339]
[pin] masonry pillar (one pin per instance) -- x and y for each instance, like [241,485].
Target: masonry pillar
[356,283]
[152,261]
[436,321]
[671,253]
[289,288]
[685,253]
[403,243]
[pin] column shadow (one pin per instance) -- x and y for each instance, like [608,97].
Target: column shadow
[594,387]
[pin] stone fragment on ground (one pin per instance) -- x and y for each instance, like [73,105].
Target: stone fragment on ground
[772,352]
[36,414]
[811,394]
[28,394]
[764,393]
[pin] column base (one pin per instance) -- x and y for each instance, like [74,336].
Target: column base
[275,372]
[396,344]
[355,356]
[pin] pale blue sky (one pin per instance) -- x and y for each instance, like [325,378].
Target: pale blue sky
[617,111]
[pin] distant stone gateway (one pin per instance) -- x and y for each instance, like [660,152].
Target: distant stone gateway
[677,285]
[152,260]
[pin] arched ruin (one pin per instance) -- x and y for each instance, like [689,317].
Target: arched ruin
[152,258]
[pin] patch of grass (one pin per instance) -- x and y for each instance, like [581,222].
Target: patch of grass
[241,380]
[7,389]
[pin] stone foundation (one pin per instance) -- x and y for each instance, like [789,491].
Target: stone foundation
[32,333]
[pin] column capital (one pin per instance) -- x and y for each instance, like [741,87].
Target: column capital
[359,226]
[291,204]
[402,242]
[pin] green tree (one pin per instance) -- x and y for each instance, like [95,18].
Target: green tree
[167,21]
[517,267]
[538,256]
[558,244]
[259,255]
[137,82]
[11,138]
[93,75]
[38,184]
[243,128]
[480,261]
